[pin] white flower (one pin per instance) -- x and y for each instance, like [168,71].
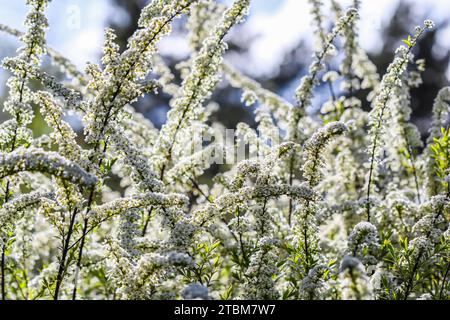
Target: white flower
[429,24]
[315,147]
[196,291]
[380,110]
[33,160]
[363,242]
[354,281]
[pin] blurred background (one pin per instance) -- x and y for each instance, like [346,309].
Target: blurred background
[274,46]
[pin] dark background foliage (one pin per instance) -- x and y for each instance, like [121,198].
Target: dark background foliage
[295,64]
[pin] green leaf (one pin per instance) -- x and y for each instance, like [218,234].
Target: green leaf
[409,41]
[215,245]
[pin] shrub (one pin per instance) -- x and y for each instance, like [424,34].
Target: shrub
[346,204]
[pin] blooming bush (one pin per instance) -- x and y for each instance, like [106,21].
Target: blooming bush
[345,204]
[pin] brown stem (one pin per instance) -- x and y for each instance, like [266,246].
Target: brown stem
[291,179]
[65,251]
[3,272]
[147,221]
[413,166]
[444,281]
[80,254]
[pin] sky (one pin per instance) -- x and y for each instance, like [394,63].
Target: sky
[77,26]
[282,23]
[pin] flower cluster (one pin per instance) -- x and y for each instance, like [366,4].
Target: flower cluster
[314,150]
[200,82]
[380,110]
[38,160]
